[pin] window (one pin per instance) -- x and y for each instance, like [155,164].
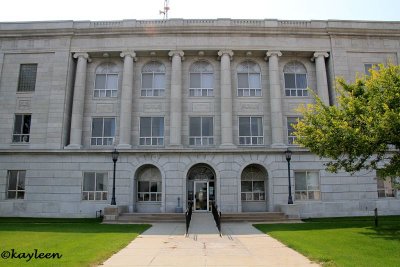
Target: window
[252,184]
[201,131]
[250,131]
[22,128]
[151,131]
[16,185]
[291,121]
[369,66]
[201,79]
[153,79]
[386,185]
[95,186]
[149,184]
[307,186]
[106,82]
[103,131]
[249,79]
[27,77]
[295,75]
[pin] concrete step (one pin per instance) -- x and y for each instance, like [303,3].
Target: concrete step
[180,217]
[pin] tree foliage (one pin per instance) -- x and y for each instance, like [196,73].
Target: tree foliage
[363,130]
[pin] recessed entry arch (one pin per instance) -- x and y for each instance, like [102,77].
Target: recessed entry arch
[254,188]
[201,187]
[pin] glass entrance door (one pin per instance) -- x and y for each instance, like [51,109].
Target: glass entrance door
[201,196]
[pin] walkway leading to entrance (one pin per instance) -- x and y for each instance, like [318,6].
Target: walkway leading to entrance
[165,244]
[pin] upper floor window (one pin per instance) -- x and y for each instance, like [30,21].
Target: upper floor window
[307,185]
[152,131]
[22,128]
[249,79]
[16,184]
[386,185]
[106,82]
[153,79]
[103,131]
[201,79]
[295,75]
[369,66]
[201,131]
[291,121]
[94,186]
[27,77]
[251,131]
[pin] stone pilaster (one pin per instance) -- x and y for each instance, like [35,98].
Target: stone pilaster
[78,101]
[322,82]
[125,119]
[176,98]
[226,98]
[275,98]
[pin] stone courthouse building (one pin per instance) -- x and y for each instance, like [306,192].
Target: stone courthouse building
[199,110]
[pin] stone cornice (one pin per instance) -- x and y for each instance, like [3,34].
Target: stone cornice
[218,26]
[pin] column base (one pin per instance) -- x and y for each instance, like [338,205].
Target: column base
[73,146]
[124,146]
[279,145]
[227,145]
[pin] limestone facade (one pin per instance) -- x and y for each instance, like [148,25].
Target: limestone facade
[216,100]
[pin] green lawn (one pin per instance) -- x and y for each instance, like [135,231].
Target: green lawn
[81,242]
[343,241]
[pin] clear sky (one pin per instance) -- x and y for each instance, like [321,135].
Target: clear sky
[36,10]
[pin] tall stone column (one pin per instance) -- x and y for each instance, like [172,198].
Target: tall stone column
[322,82]
[125,118]
[176,99]
[275,98]
[78,101]
[226,98]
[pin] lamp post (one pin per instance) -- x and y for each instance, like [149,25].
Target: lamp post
[114,155]
[288,155]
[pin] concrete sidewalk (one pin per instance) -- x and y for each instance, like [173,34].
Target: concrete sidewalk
[165,244]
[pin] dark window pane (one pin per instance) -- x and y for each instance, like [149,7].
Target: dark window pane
[27,77]
[195,129]
[143,186]
[112,81]
[195,80]
[246,186]
[27,124]
[244,126]
[11,194]
[88,181]
[207,126]
[158,126]
[147,80]
[301,81]
[97,127]
[100,82]
[109,127]
[243,81]
[101,182]
[12,180]
[290,80]
[18,124]
[145,127]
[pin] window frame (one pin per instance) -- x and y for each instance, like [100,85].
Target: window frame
[205,140]
[113,91]
[103,139]
[249,195]
[307,190]
[374,66]
[24,79]
[251,135]
[155,141]
[290,137]
[388,191]
[249,90]
[298,92]
[149,92]
[202,91]
[141,195]
[95,192]
[17,190]
[22,135]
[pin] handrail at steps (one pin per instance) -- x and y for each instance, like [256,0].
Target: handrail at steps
[217,217]
[188,217]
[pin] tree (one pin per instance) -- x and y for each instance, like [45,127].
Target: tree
[363,130]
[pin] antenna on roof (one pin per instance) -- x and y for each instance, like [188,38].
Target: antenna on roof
[165,10]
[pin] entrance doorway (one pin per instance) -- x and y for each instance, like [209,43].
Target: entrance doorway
[201,187]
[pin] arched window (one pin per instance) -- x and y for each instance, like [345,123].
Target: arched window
[249,79]
[149,184]
[201,79]
[153,79]
[106,81]
[295,79]
[252,183]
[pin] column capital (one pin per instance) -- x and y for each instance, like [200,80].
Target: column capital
[271,53]
[223,52]
[128,53]
[179,53]
[83,55]
[319,54]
